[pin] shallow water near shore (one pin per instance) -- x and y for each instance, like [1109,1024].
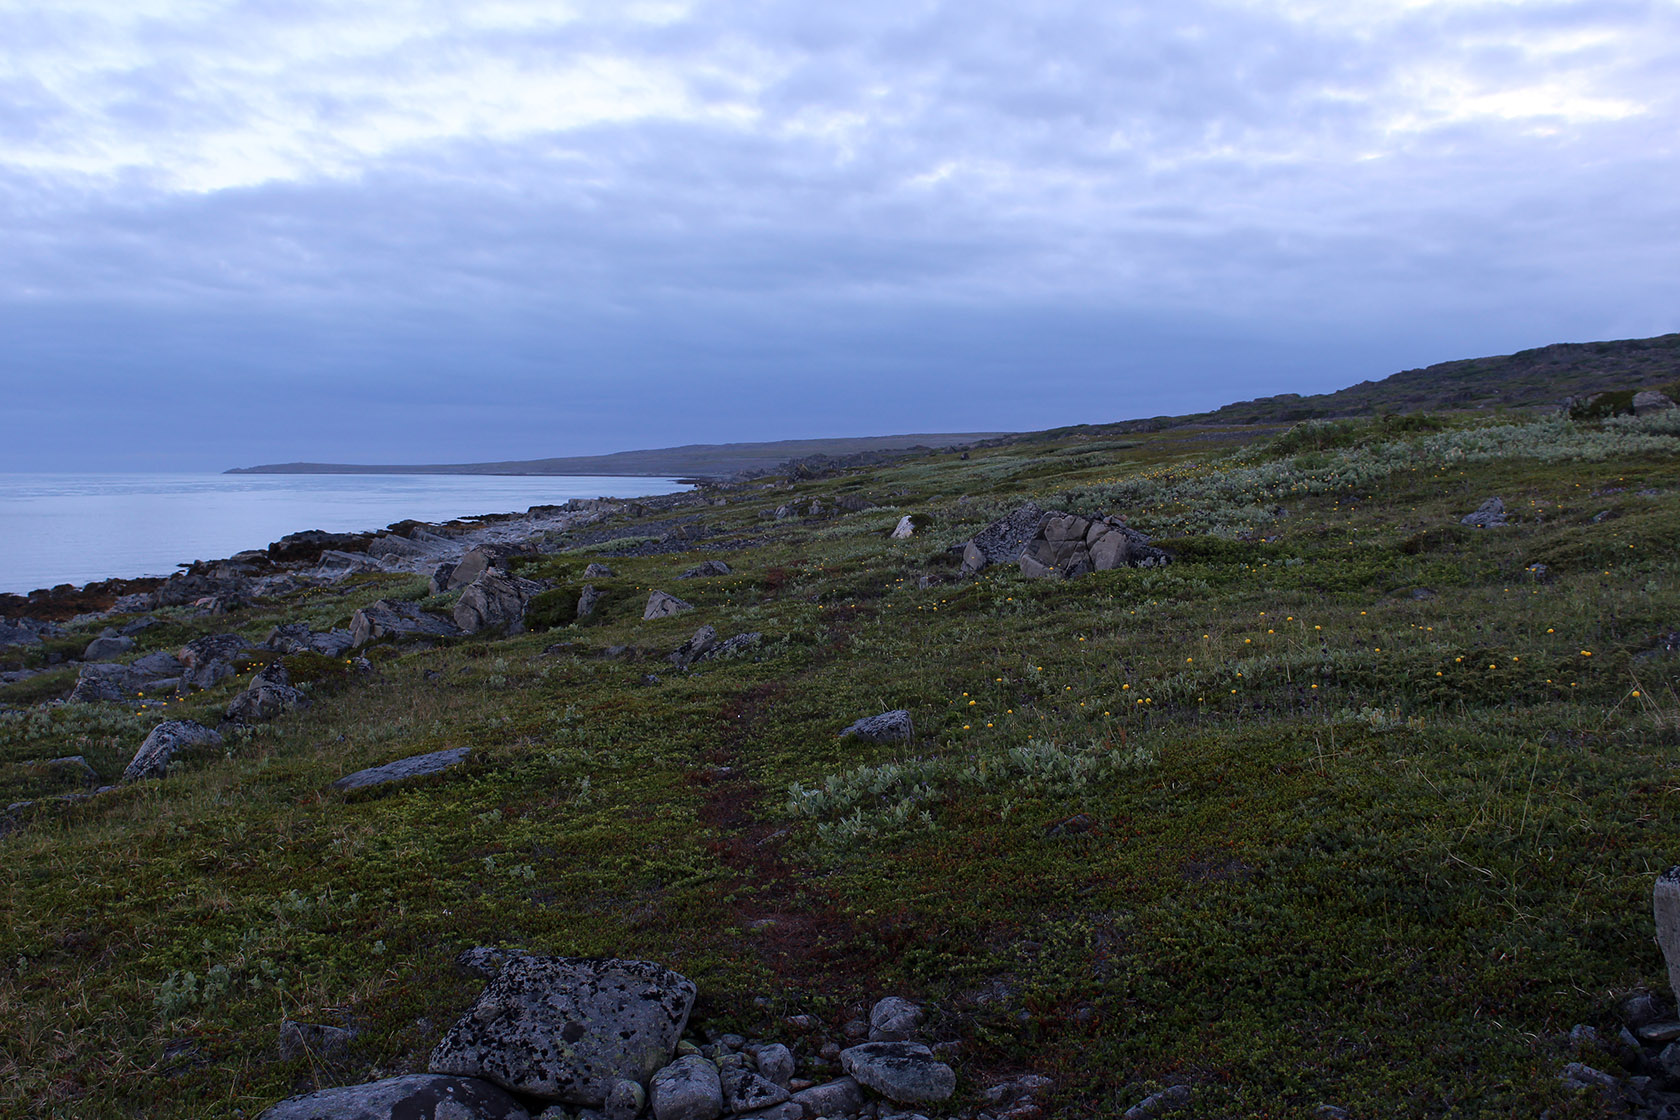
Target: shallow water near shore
[75,528]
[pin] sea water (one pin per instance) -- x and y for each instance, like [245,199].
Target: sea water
[75,528]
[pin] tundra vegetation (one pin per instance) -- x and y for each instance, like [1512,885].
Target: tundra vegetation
[1351,803]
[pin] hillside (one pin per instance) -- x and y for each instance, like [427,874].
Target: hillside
[1351,805]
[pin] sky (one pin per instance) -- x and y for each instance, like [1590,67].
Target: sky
[412,231]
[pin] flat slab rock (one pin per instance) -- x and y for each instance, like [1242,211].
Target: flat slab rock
[566,1028]
[418,766]
[418,1096]
[900,1071]
[887,727]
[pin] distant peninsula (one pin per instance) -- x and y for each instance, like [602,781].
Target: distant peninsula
[695,460]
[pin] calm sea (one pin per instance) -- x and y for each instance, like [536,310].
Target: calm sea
[74,528]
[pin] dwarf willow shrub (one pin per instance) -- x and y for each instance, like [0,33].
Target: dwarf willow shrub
[870,803]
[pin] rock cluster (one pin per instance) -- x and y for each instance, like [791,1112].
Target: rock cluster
[1053,544]
[565,1038]
[269,694]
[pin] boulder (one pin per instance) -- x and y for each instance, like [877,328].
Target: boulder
[207,674]
[588,600]
[1650,400]
[894,1020]
[167,740]
[415,766]
[625,1100]
[905,529]
[439,581]
[746,1091]
[15,634]
[885,728]
[833,1098]
[1003,541]
[472,565]
[687,1089]
[595,570]
[1487,515]
[494,602]
[704,641]
[297,637]
[156,665]
[269,694]
[396,618]
[702,571]
[662,604]
[212,647]
[417,1096]
[775,1061]
[905,1072]
[731,647]
[105,681]
[107,648]
[566,1029]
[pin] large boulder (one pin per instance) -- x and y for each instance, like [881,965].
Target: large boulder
[167,740]
[297,637]
[565,1029]
[905,1072]
[212,647]
[269,694]
[417,1096]
[397,618]
[494,601]
[662,604]
[1650,400]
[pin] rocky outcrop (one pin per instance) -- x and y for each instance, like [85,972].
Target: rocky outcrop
[396,618]
[18,633]
[297,637]
[662,604]
[415,766]
[1650,400]
[417,1096]
[166,741]
[565,1029]
[494,602]
[887,727]
[103,681]
[1050,543]
[269,694]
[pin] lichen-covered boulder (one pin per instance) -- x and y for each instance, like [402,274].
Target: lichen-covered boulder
[397,618]
[166,741]
[270,693]
[418,1096]
[905,1072]
[565,1028]
[887,727]
[494,601]
[663,604]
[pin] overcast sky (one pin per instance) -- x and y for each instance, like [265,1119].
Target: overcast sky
[234,233]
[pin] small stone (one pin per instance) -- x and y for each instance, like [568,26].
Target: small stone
[745,1091]
[830,1052]
[687,1089]
[894,1019]
[834,1098]
[775,1062]
[625,1100]
[1159,1104]
[1639,1008]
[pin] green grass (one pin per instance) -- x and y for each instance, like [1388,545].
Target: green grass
[1376,809]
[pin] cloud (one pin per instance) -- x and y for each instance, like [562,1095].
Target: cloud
[562,196]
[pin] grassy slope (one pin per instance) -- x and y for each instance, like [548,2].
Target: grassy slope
[1354,844]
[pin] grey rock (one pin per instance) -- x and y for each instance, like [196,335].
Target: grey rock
[403,548]
[1579,1075]
[833,1098]
[1159,1104]
[418,1096]
[598,571]
[707,569]
[775,1061]
[588,600]
[687,1089]
[212,647]
[662,604]
[731,647]
[973,559]
[1111,550]
[1331,1112]
[785,512]
[156,664]
[1487,515]
[625,1100]
[885,728]
[315,1040]
[563,1028]
[494,602]
[905,1072]
[787,1110]
[1650,400]
[269,694]
[854,503]
[167,740]
[15,634]
[894,1019]
[105,681]
[297,637]
[704,641]
[415,766]
[396,618]
[472,565]
[438,583]
[905,529]
[746,1091]
[77,765]
[107,649]
[1659,1032]
[208,674]
[1669,1059]
[1003,541]
[1065,528]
